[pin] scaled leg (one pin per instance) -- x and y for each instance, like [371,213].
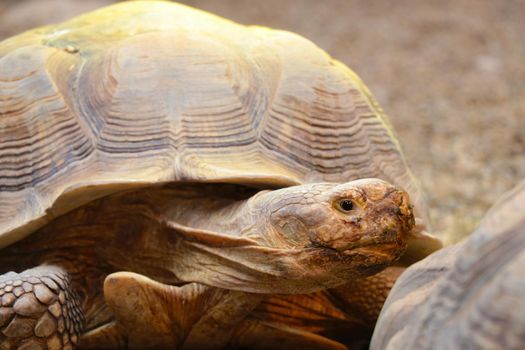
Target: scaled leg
[39,310]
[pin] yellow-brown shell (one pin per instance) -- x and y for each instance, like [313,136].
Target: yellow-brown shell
[142,93]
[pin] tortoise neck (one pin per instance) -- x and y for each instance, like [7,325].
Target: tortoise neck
[126,230]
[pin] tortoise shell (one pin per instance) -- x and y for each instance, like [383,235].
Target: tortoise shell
[466,296]
[145,93]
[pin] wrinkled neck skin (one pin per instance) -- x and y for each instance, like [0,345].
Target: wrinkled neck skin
[237,245]
[200,233]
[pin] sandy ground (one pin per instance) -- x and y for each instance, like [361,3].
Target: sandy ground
[450,73]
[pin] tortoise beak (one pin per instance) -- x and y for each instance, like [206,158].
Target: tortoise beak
[394,218]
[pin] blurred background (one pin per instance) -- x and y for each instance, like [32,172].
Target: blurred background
[449,73]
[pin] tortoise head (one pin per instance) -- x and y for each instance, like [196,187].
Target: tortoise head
[340,231]
[298,239]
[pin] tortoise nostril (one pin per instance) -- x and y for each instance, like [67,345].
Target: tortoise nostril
[355,220]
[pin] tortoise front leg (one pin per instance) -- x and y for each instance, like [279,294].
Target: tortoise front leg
[39,310]
[153,315]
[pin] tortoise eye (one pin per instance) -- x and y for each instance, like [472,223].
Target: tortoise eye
[346,205]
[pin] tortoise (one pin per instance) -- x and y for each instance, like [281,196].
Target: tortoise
[466,296]
[165,172]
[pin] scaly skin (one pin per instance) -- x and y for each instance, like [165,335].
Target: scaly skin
[39,310]
[293,240]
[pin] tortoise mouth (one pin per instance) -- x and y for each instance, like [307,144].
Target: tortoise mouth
[384,249]
[364,243]
[373,258]
[388,240]
[377,249]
